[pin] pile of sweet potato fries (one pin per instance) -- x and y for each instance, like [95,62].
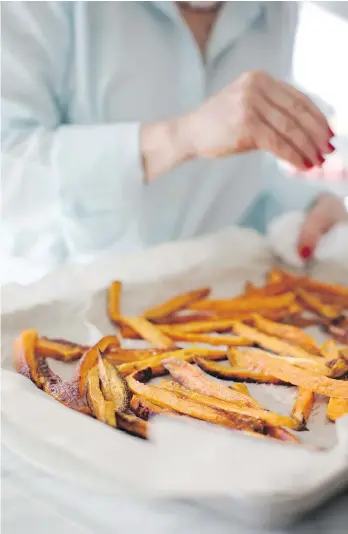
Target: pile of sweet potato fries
[260,334]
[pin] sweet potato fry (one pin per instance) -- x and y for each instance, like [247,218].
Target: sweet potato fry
[274,432]
[338,367]
[176,304]
[315,305]
[325,288]
[333,368]
[145,409]
[65,392]
[270,343]
[241,388]
[132,425]
[335,300]
[289,333]
[193,379]
[90,359]
[60,349]
[246,303]
[35,367]
[127,332]
[114,295]
[273,289]
[114,387]
[303,405]
[155,363]
[303,322]
[212,325]
[24,356]
[232,341]
[132,355]
[236,373]
[275,276]
[260,361]
[194,409]
[337,408]
[101,408]
[182,318]
[149,332]
[340,334]
[259,414]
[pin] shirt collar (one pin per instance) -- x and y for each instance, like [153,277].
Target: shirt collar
[234,19]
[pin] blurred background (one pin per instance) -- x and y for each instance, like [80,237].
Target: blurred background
[322,42]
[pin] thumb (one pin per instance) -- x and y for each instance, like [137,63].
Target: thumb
[314,227]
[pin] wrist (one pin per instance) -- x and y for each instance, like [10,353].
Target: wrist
[165,145]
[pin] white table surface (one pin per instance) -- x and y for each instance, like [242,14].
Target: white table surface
[35,502]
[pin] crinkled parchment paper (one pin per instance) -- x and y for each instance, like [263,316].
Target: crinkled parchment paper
[262,482]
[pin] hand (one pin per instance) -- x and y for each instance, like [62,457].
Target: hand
[258,112]
[327,211]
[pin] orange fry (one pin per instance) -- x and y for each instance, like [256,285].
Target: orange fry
[241,388]
[259,414]
[271,343]
[232,341]
[303,405]
[60,349]
[149,332]
[212,325]
[272,431]
[25,359]
[182,318]
[275,276]
[187,406]
[114,296]
[236,373]
[155,363]
[191,378]
[337,408]
[245,303]
[273,289]
[90,359]
[145,409]
[176,304]
[127,332]
[132,355]
[325,288]
[289,333]
[314,304]
[259,361]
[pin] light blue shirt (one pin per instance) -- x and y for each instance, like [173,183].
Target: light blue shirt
[79,78]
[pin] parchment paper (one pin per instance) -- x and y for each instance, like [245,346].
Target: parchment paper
[260,481]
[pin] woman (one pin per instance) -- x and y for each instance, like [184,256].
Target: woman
[133,123]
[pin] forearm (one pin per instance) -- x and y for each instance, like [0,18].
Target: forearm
[164,146]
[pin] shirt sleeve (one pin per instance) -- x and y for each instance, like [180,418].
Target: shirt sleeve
[74,183]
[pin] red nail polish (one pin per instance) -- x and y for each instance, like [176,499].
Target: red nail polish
[331,147]
[331,133]
[305,252]
[320,158]
[308,164]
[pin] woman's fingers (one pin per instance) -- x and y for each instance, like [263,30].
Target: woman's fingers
[281,134]
[302,110]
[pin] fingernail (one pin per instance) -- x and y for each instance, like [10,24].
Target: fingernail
[331,147]
[331,133]
[305,252]
[320,158]
[308,164]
